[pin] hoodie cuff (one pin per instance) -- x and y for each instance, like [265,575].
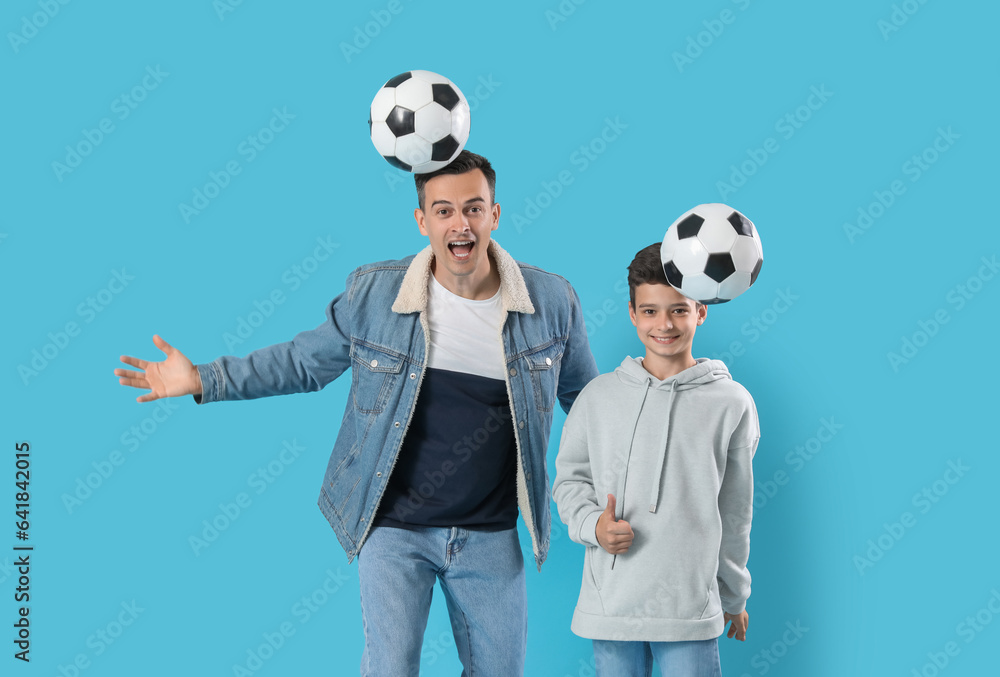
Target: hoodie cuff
[588,529]
[732,606]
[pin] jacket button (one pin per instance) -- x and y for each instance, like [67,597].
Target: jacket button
[548,361]
[374,363]
[520,424]
[412,376]
[513,371]
[396,424]
[378,474]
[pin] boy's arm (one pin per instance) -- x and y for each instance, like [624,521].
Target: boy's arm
[573,490]
[308,362]
[736,510]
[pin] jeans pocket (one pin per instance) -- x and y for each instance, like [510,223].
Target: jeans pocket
[375,371]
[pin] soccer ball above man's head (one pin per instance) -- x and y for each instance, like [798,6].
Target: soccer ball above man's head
[712,253]
[419,121]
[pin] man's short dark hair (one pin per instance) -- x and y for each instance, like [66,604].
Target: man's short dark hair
[647,268]
[465,162]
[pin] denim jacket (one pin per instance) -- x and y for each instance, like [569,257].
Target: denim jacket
[378,328]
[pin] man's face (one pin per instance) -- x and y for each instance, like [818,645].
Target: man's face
[665,320]
[458,217]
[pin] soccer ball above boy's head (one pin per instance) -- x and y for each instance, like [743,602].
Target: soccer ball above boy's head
[457,212]
[665,319]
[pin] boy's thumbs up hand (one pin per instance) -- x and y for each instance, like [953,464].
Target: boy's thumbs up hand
[615,536]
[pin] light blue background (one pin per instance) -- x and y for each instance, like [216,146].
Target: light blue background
[541,88]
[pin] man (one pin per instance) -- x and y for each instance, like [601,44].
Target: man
[424,489]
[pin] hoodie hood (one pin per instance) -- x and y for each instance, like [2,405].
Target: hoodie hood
[632,373]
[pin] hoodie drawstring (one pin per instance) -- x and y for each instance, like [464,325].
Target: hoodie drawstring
[620,496]
[654,497]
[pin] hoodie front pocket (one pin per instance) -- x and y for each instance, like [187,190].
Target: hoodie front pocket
[713,605]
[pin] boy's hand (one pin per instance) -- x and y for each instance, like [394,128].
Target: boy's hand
[615,536]
[739,625]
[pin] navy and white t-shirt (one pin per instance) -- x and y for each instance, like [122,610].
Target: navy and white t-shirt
[456,467]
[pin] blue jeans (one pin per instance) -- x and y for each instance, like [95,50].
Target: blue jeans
[676,659]
[482,577]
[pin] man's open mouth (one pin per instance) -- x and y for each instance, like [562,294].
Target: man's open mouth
[461,249]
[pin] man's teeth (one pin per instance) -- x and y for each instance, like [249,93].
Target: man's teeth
[461,249]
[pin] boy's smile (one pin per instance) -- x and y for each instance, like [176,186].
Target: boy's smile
[665,321]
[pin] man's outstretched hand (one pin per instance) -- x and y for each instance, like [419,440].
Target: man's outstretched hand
[173,377]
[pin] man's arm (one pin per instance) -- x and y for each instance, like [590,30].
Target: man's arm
[308,362]
[578,365]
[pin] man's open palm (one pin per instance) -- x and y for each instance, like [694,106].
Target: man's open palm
[173,377]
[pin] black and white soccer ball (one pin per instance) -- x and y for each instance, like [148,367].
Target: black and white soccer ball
[712,253]
[419,121]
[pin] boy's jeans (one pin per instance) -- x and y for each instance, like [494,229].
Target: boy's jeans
[676,659]
[482,576]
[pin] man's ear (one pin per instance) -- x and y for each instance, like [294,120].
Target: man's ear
[418,214]
[496,215]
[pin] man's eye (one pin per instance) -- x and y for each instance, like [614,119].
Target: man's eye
[442,212]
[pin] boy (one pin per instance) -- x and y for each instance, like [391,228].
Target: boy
[654,476]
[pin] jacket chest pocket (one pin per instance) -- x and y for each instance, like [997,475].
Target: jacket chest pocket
[375,371]
[543,365]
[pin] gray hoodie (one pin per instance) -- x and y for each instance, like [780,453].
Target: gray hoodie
[677,456]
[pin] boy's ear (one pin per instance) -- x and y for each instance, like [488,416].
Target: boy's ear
[702,313]
[631,314]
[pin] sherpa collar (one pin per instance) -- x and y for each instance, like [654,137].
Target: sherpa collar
[412,297]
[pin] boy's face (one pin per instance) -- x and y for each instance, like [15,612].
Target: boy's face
[458,218]
[666,321]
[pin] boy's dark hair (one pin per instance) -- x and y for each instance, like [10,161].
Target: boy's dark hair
[647,268]
[465,162]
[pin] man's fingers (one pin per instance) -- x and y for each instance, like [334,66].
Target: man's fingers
[134,361]
[135,382]
[128,373]
[162,345]
[148,397]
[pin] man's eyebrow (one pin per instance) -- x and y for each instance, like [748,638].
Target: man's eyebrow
[475,199]
[440,202]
